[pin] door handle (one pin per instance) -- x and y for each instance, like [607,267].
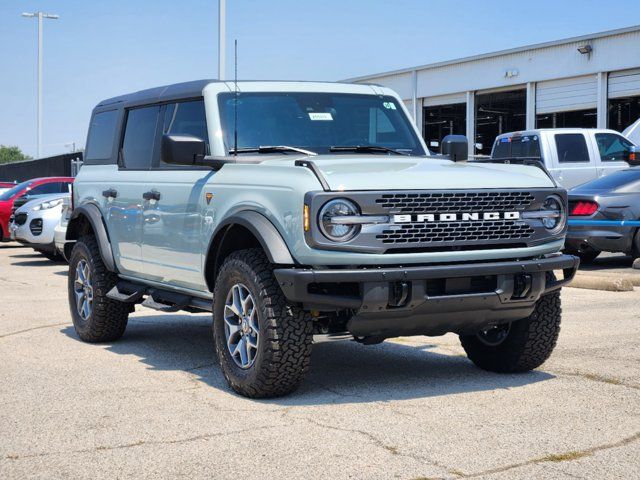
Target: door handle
[151,195]
[110,193]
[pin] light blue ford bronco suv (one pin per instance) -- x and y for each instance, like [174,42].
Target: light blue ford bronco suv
[296,211]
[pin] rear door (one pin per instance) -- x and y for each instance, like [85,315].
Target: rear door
[172,245]
[574,159]
[612,152]
[123,194]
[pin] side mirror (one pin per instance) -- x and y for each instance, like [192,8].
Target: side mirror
[456,147]
[633,156]
[182,149]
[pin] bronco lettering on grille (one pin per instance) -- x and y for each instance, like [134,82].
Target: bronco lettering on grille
[455,217]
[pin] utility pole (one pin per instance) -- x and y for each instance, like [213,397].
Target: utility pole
[40,16]
[221,38]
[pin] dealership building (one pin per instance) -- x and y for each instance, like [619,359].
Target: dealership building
[592,81]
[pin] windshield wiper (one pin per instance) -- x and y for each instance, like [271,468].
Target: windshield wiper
[271,149]
[366,149]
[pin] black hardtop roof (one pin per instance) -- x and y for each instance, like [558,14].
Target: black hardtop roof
[157,94]
[183,90]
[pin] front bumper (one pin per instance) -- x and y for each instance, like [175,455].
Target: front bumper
[428,300]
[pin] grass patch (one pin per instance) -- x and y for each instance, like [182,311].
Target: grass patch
[564,457]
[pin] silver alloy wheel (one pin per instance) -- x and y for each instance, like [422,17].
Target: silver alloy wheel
[241,328]
[83,289]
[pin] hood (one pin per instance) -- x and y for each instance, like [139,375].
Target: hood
[376,172]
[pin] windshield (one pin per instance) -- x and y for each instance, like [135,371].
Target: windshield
[317,122]
[525,146]
[12,191]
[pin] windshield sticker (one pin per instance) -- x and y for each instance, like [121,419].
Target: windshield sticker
[505,140]
[389,105]
[320,116]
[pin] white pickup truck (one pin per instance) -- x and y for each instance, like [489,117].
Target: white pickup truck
[573,156]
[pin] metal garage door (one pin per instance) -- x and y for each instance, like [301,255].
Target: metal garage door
[624,84]
[568,94]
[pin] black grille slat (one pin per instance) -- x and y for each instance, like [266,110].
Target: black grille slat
[455,202]
[442,232]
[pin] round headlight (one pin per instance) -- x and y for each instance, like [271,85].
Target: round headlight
[556,218]
[338,232]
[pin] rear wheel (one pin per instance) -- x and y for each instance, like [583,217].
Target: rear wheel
[262,342]
[96,318]
[518,346]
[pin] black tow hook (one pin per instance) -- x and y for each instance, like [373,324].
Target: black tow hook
[399,294]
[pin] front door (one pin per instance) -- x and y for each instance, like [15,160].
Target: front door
[613,152]
[172,244]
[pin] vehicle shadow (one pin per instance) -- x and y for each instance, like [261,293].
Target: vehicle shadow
[34,259]
[341,372]
[608,262]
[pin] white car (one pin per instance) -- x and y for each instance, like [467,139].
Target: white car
[60,232]
[34,223]
[573,156]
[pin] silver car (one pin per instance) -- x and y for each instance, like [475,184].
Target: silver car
[34,223]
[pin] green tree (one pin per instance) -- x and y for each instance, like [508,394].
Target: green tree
[11,154]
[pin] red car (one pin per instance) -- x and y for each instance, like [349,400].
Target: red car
[23,192]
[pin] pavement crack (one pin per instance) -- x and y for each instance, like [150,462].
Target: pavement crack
[34,328]
[557,457]
[391,449]
[140,443]
[594,377]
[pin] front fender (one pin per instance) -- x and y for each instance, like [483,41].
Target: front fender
[270,239]
[90,213]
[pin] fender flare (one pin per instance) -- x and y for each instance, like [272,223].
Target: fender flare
[93,215]
[261,227]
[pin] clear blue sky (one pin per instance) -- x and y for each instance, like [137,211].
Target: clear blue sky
[98,49]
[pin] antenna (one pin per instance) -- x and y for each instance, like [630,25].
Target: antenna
[235,100]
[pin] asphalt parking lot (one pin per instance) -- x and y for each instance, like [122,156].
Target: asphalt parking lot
[156,405]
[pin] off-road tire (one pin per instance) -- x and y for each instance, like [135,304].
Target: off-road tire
[108,319]
[286,332]
[528,344]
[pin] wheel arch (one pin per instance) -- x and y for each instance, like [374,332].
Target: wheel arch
[245,229]
[87,219]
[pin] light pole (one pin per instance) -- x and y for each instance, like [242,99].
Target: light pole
[221,38]
[40,16]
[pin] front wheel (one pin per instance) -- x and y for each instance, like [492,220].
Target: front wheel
[519,346]
[262,342]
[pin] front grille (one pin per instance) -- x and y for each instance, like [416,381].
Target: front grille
[433,234]
[443,202]
[20,219]
[36,226]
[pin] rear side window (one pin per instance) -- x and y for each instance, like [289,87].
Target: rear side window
[139,138]
[100,138]
[186,118]
[525,146]
[612,147]
[572,148]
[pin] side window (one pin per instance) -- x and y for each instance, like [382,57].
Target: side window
[139,137]
[186,118]
[44,189]
[572,148]
[100,138]
[612,147]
